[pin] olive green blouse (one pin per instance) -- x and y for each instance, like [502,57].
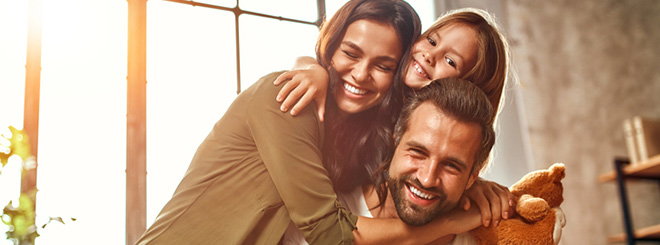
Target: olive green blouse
[258,170]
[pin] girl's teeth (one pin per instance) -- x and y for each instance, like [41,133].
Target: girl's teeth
[354,90]
[419,70]
[421,194]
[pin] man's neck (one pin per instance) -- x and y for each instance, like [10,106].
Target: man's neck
[371,198]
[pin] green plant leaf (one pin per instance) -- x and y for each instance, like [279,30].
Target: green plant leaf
[19,143]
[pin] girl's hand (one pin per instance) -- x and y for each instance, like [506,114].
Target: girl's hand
[307,83]
[495,202]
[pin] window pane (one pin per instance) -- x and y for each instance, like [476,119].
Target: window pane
[82,128]
[13,47]
[269,45]
[425,10]
[293,9]
[223,3]
[332,6]
[191,80]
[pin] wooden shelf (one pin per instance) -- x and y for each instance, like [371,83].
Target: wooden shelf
[649,168]
[651,232]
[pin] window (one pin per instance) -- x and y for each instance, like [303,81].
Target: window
[191,80]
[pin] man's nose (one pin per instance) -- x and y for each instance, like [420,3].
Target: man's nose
[428,175]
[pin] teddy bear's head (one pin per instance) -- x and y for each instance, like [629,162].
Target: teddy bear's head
[539,218]
[545,184]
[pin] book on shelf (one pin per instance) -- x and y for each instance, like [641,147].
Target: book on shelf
[631,142]
[647,137]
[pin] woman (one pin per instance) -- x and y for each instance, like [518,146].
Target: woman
[260,169]
[464,43]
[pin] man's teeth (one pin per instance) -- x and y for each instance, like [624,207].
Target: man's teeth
[421,194]
[354,90]
[420,70]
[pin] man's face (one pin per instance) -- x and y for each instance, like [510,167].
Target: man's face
[432,164]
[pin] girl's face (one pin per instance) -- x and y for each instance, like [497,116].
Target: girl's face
[366,61]
[450,51]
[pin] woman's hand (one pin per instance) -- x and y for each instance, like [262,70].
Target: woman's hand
[495,202]
[308,82]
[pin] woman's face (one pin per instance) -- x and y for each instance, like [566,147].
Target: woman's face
[366,61]
[450,51]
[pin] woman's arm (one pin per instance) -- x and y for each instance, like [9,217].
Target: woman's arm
[308,80]
[290,148]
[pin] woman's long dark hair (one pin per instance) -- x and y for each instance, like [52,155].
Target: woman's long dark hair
[356,145]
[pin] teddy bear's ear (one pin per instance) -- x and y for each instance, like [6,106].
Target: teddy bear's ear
[557,171]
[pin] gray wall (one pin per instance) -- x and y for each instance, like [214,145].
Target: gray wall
[582,67]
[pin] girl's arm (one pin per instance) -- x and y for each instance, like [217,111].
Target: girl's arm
[395,231]
[308,80]
[494,201]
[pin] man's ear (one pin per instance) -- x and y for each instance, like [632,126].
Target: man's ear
[473,177]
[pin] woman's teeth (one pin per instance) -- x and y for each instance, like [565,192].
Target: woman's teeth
[354,90]
[421,194]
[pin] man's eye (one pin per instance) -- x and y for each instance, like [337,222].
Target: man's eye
[431,41]
[450,62]
[453,166]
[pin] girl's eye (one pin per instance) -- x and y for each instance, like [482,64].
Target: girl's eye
[450,62]
[431,41]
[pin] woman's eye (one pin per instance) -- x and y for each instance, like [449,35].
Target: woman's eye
[431,41]
[349,54]
[416,154]
[384,68]
[450,62]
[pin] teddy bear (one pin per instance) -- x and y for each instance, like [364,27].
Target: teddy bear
[538,219]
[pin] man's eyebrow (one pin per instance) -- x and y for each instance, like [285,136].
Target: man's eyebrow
[383,57]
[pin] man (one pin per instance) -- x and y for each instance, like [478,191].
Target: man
[443,137]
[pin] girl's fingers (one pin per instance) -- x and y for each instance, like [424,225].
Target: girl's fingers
[304,101]
[296,93]
[283,77]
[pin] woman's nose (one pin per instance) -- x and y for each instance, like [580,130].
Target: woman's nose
[360,72]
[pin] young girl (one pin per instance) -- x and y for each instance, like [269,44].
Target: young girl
[464,43]
[260,169]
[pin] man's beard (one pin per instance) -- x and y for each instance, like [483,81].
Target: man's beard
[411,213]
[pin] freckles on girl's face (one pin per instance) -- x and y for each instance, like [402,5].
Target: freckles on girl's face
[450,51]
